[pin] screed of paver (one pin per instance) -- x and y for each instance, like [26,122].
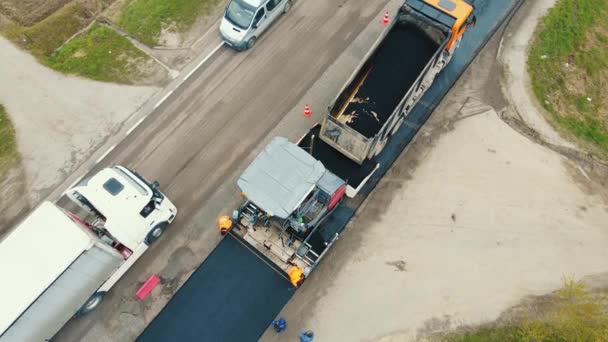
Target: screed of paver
[59,119]
[486,218]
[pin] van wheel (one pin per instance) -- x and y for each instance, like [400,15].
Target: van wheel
[156,233]
[91,304]
[287,6]
[251,42]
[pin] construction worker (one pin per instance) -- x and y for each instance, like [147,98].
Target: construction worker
[306,336]
[296,275]
[225,223]
[279,325]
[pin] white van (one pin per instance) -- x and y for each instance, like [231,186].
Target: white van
[245,20]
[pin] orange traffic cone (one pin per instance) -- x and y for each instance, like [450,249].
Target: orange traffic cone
[386,19]
[307,111]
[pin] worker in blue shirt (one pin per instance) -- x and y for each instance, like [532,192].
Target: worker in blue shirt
[306,336]
[279,325]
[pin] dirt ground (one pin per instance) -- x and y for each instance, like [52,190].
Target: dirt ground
[474,218]
[29,12]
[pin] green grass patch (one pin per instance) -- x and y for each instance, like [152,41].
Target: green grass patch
[568,63]
[145,19]
[46,36]
[502,334]
[588,128]
[100,54]
[573,314]
[9,155]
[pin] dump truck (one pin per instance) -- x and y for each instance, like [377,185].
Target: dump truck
[376,100]
[60,261]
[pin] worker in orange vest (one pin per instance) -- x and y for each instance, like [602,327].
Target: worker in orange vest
[296,275]
[225,223]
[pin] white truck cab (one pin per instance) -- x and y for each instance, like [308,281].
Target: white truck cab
[129,208]
[245,20]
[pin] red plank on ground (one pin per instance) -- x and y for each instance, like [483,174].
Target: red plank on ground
[147,287]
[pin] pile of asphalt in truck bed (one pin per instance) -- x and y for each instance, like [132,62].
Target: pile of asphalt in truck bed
[396,65]
[335,161]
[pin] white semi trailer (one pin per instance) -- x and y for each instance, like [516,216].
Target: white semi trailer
[59,262]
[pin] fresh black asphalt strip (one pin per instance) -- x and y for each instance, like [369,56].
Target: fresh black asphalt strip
[232,296]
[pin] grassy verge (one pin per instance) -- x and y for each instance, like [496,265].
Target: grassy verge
[145,19]
[8,146]
[572,314]
[568,66]
[502,334]
[100,54]
[44,37]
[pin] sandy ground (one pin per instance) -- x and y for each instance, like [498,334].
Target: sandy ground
[472,218]
[59,120]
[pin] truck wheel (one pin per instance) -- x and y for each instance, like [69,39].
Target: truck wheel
[91,304]
[251,42]
[156,233]
[287,6]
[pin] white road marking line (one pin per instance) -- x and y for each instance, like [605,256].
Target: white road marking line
[163,99]
[189,74]
[105,154]
[202,62]
[135,126]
